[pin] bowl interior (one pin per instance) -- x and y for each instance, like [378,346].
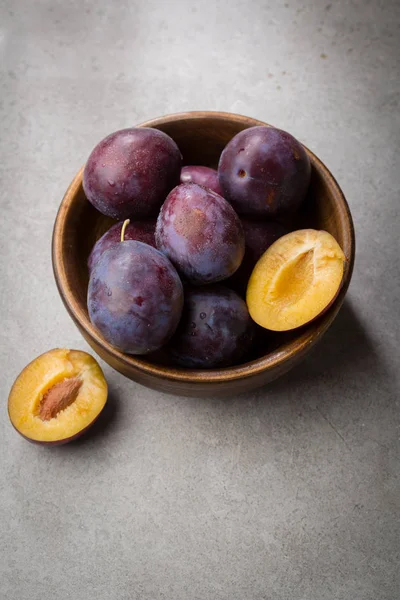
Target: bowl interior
[201,138]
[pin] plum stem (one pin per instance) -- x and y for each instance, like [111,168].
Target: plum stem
[124,226]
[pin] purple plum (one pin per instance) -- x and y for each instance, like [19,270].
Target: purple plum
[200,233]
[142,231]
[130,172]
[264,171]
[215,330]
[204,176]
[135,297]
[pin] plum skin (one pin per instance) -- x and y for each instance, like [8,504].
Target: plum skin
[142,231]
[204,176]
[259,236]
[135,297]
[215,330]
[264,171]
[130,172]
[62,441]
[200,233]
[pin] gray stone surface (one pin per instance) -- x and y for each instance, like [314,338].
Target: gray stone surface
[291,492]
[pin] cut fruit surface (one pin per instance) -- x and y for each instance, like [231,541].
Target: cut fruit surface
[57,396]
[295,280]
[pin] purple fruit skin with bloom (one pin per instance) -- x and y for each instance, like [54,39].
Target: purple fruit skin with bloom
[264,171]
[204,176]
[142,231]
[135,297]
[130,172]
[200,233]
[215,330]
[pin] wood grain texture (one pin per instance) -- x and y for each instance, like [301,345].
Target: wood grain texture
[201,136]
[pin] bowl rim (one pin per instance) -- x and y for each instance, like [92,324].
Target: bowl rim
[277,359]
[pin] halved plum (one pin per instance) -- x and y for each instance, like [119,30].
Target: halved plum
[57,397]
[295,280]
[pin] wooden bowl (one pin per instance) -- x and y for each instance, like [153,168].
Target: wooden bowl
[201,136]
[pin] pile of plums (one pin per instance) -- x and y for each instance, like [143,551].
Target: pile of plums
[174,276]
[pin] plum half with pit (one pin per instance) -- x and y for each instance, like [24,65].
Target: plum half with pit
[130,172]
[204,176]
[215,330]
[200,233]
[135,297]
[141,231]
[264,171]
[57,397]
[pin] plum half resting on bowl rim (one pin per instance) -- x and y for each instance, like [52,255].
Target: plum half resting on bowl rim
[295,280]
[57,396]
[135,297]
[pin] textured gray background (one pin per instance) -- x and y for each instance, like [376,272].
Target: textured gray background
[288,493]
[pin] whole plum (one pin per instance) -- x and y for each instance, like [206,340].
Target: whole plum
[135,297]
[259,236]
[215,330]
[204,176]
[130,172]
[142,231]
[264,171]
[200,233]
